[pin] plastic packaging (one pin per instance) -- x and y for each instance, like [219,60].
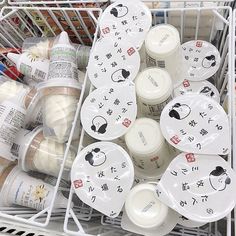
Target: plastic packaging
[145,214]
[147,146]
[59,101]
[36,153]
[154,90]
[14,101]
[19,188]
[195,123]
[196,185]
[30,65]
[102,176]
[63,60]
[41,47]
[163,50]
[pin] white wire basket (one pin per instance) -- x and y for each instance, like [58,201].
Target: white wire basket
[36,21]
[18,23]
[219,32]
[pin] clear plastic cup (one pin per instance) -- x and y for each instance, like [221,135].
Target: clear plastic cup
[36,153]
[59,101]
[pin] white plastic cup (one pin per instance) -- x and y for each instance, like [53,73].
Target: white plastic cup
[59,101]
[147,147]
[163,49]
[63,64]
[30,65]
[147,213]
[36,153]
[18,188]
[154,90]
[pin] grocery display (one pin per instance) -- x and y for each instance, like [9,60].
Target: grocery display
[126,125]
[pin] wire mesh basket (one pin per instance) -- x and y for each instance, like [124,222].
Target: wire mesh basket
[18,23]
[217,32]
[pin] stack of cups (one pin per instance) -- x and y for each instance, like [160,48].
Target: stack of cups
[164,50]
[36,153]
[18,188]
[61,92]
[150,152]
[15,99]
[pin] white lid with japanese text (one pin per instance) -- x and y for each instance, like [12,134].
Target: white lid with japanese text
[197,124]
[198,87]
[108,112]
[102,176]
[113,62]
[196,186]
[128,20]
[202,60]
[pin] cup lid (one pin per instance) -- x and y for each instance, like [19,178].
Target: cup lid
[144,137]
[102,176]
[162,40]
[197,124]
[127,21]
[201,60]
[153,86]
[108,112]
[196,185]
[197,87]
[113,62]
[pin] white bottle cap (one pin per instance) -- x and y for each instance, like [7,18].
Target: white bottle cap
[143,207]
[144,138]
[63,38]
[153,86]
[162,40]
[14,57]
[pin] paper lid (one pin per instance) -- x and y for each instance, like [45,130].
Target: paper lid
[197,185]
[197,124]
[108,112]
[201,59]
[113,62]
[153,86]
[102,175]
[197,87]
[144,138]
[127,20]
[162,40]
[14,57]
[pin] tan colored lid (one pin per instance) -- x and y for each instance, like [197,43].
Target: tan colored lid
[29,97]
[61,91]
[5,172]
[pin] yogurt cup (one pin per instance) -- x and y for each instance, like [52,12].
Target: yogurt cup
[59,99]
[145,214]
[18,188]
[164,50]
[154,90]
[148,149]
[36,153]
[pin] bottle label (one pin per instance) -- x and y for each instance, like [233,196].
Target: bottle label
[30,192]
[11,120]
